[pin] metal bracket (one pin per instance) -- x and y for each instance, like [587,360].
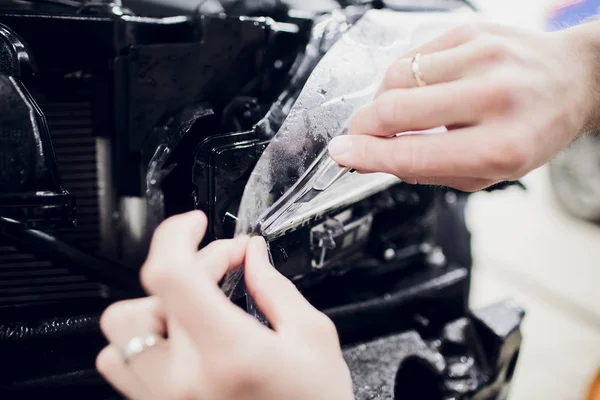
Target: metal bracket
[330,238]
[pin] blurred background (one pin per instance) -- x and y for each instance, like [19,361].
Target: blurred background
[540,248]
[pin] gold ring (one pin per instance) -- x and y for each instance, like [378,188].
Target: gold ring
[416,69]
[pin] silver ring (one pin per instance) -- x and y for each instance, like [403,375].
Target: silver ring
[416,69]
[138,345]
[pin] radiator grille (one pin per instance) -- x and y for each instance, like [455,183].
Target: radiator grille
[71,129]
[24,279]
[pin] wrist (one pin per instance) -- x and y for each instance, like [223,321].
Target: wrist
[582,46]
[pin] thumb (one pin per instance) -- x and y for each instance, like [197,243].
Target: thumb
[276,296]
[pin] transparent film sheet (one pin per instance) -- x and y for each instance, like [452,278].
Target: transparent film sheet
[346,78]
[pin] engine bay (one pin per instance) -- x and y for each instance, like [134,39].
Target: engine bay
[116,115]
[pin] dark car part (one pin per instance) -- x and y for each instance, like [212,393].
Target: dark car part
[474,357]
[116,115]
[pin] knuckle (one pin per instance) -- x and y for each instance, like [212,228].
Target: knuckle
[498,98]
[495,49]
[197,218]
[111,317]
[221,370]
[152,274]
[518,158]
[508,158]
[386,108]
[323,326]
[171,226]
[106,362]
[246,376]
[165,229]
[155,274]
[161,265]
[394,74]
[504,97]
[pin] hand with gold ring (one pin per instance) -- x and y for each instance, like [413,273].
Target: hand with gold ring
[188,341]
[511,100]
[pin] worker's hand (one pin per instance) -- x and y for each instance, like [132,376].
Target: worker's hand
[511,100]
[215,350]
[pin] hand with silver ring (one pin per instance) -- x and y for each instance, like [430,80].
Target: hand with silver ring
[138,344]
[188,341]
[510,99]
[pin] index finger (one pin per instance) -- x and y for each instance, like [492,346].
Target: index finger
[190,292]
[472,152]
[177,238]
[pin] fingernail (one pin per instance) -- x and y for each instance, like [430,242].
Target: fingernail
[340,145]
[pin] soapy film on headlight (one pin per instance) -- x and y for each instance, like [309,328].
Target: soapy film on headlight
[346,78]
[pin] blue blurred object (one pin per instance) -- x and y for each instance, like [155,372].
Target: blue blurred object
[573,12]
